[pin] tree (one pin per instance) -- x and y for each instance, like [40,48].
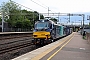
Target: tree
[18,18]
[27,23]
[0,19]
[37,16]
[53,19]
[32,16]
[18,24]
[9,9]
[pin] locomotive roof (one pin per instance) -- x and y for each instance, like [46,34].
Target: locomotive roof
[45,20]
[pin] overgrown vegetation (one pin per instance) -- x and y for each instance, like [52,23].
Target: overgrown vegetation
[18,18]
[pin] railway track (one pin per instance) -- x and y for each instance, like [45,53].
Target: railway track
[15,45]
[14,36]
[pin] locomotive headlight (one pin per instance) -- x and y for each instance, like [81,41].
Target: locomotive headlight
[34,35]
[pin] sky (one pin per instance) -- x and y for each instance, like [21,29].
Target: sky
[63,6]
[56,6]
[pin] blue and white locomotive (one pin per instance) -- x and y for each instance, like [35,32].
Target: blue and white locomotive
[46,31]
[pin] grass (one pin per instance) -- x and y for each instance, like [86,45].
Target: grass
[84,37]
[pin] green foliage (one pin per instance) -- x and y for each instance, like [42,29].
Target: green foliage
[18,18]
[0,19]
[36,16]
[8,9]
[23,24]
[84,37]
[9,6]
[53,19]
[41,16]
[26,23]
[18,24]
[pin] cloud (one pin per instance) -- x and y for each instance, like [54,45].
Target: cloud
[63,6]
[56,6]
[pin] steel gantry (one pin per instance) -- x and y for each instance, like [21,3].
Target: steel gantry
[65,14]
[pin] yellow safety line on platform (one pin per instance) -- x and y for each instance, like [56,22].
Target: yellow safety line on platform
[59,49]
[38,57]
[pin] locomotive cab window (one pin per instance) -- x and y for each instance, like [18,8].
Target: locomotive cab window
[41,25]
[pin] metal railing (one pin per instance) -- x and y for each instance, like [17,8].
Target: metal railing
[15,30]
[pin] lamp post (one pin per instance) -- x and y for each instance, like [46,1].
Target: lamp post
[39,16]
[2,21]
[48,11]
[81,26]
[81,22]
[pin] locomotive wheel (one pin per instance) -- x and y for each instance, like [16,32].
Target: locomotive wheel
[42,42]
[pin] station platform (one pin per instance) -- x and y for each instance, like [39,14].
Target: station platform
[14,32]
[72,47]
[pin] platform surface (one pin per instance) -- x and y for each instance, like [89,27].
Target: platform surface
[76,49]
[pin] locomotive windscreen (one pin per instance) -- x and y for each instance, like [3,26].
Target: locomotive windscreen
[41,25]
